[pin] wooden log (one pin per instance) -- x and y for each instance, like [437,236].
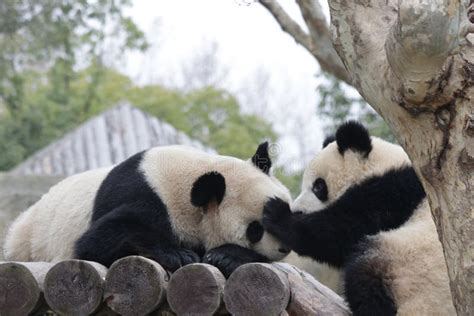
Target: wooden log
[163,310]
[257,289]
[21,286]
[196,289]
[135,286]
[105,311]
[308,296]
[75,287]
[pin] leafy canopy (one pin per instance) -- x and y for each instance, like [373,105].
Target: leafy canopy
[52,78]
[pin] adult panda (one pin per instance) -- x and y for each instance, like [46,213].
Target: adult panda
[170,204]
[363,210]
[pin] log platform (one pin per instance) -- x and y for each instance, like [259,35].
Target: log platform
[138,286]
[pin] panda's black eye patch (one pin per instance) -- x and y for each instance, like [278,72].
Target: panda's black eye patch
[254,232]
[320,189]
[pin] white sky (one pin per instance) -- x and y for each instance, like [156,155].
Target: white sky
[248,39]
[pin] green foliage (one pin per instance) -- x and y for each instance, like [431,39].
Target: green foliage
[337,106]
[43,44]
[52,78]
[210,115]
[48,36]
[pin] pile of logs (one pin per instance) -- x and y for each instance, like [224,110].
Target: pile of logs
[139,286]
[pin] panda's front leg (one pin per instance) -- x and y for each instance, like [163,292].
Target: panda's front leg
[133,229]
[170,258]
[229,257]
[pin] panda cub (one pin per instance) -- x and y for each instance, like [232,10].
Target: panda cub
[170,204]
[363,210]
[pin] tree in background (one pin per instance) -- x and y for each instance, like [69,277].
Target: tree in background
[44,43]
[53,76]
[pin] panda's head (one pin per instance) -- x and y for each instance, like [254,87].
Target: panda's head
[345,160]
[232,198]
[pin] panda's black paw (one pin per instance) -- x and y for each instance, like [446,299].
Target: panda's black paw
[277,217]
[173,259]
[223,262]
[229,257]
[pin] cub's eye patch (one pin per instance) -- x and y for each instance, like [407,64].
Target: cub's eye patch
[254,232]
[320,189]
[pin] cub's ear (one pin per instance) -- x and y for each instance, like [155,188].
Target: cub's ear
[261,159]
[353,135]
[208,189]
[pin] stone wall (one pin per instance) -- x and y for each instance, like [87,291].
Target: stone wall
[17,193]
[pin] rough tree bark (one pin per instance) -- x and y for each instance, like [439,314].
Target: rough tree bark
[413,62]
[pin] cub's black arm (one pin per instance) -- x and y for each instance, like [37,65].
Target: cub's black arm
[330,235]
[229,257]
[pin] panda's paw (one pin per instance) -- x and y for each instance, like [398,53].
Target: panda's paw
[173,259]
[276,217]
[225,263]
[229,257]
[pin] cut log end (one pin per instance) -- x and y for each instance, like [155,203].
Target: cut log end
[196,289]
[19,290]
[75,287]
[135,286]
[257,289]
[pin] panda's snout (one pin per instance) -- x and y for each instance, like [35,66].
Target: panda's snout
[284,250]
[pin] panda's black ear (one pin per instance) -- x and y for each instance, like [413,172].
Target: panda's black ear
[353,135]
[329,139]
[261,159]
[207,189]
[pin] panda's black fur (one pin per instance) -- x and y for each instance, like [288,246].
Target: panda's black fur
[130,218]
[348,231]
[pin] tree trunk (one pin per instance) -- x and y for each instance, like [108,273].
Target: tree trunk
[413,62]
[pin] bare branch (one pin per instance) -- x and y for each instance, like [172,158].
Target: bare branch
[322,47]
[287,24]
[319,44]
[419,43]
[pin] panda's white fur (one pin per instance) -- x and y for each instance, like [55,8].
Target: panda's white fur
[49,230]
[416,264]
[398,269]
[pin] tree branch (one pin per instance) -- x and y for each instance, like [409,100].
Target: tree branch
[323,48]
[319,44]
[287,24]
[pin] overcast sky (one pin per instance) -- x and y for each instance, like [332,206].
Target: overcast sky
[248,39]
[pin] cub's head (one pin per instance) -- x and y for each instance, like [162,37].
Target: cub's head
[346,159]
[232,197]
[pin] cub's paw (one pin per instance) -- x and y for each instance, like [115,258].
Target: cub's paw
[173,259]
[276,216]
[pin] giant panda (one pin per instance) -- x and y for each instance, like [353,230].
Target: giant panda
[171,204]
[363,210]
